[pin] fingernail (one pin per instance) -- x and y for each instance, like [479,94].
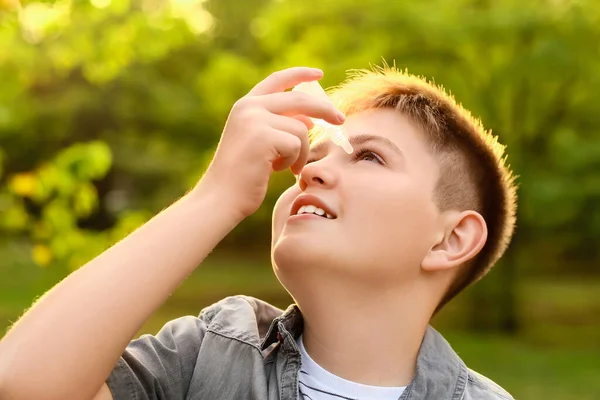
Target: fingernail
[317,71]
[340,116]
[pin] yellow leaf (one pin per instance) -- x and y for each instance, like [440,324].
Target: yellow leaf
[24,184]
[10,5]
[41,255]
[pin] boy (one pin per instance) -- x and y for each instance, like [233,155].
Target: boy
[370,246]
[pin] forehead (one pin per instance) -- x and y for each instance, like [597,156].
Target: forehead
[385,122]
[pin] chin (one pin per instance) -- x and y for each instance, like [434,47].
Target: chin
[301,254]
[300,265]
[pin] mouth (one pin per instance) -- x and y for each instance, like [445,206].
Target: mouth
[310,205]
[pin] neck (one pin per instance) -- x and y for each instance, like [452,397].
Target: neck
[366,336]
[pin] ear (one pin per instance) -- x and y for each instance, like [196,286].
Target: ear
[462,237]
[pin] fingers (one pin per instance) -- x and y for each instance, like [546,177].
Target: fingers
[298,129]
[307,121]
[297,103]
[286,79]
[289,114]
[288,148]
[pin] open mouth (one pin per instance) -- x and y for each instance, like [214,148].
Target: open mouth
[312,205]
[310,209]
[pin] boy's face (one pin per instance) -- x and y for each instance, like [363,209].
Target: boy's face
[385,220]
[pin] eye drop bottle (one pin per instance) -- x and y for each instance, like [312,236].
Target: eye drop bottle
[335,133]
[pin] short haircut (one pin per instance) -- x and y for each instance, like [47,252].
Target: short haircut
[474,174]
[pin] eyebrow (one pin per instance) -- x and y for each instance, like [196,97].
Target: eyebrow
[358,140]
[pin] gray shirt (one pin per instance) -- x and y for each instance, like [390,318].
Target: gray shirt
[244,348]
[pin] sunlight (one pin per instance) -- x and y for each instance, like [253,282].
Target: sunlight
[192,11]
[37,19]
[100,3]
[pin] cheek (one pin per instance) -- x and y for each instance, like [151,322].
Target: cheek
[282,207]
[402,216]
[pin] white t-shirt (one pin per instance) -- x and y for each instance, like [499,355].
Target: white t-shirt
[318,384]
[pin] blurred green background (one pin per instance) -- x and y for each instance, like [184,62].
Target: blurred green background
[111,109]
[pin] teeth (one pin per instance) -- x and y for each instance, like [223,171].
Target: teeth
[310,209]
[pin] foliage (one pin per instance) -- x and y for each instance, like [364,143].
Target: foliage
[110,109]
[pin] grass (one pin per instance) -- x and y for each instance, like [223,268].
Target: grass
[556,356]
[528,371]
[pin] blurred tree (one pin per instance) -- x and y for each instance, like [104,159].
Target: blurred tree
[154,80]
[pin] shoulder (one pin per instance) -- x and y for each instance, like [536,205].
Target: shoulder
[242,317]
[441,373]
[238,307]
[480,387]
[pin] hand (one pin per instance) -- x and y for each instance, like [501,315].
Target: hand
[266,131]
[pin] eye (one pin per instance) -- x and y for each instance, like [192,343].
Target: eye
[359,155]
[368,155]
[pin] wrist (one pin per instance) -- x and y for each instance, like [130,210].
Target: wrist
[215,198]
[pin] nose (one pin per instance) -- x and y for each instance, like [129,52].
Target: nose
[317,173]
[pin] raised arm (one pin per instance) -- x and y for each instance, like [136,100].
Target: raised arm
[67,344]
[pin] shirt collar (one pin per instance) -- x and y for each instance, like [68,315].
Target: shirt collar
[289,322]
[439,373]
